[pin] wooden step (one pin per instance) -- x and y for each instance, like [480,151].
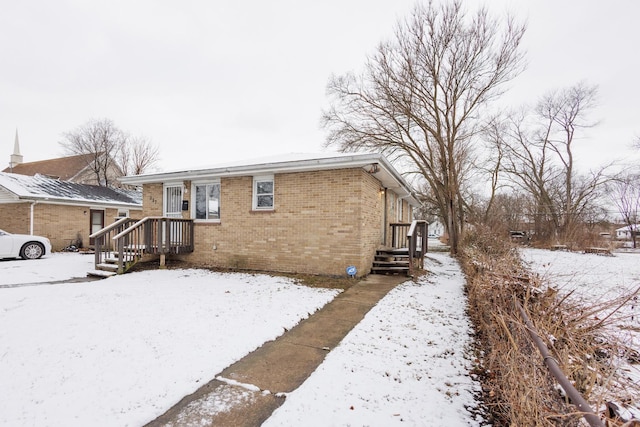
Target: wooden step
[390,270]
[101,273]
[107,267]
[399,257]
[114,260]
[400,251]
[391,263]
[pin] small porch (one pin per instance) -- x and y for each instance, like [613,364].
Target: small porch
[405,251]
[124,243]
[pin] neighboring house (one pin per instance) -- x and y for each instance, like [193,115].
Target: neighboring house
[73,168]
[59,210]
[624,233]
[312,214]
[436,229]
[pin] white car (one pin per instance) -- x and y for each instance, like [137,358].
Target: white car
[24,246]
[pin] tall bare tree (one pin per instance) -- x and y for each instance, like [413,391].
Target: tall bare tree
[539,157]
[110,152]
[420,96]
[138,155]
[100,140]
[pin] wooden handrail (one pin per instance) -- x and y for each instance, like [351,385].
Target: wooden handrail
[101,248]
[108,228]
[417,242]
[154,235]
[126,241]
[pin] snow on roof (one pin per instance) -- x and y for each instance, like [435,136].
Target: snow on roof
[281,158]
[39,187]
[376,163]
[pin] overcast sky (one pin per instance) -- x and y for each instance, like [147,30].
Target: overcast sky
[215,81]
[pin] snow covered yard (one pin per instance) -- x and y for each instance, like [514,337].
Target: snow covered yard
[51,268]
[404,364]
[594,279]
[123,350]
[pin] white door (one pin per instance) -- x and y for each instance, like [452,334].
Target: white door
[173,209]
[173,201]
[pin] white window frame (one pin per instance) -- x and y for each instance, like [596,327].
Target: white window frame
[263,178]
[194,201]
[123,213]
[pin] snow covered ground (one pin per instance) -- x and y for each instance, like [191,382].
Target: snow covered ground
[595,279]
[51,268]
[404,364]
[123,350]
[592,279]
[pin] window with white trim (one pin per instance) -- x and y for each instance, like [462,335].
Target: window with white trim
[206,201]
[263,192]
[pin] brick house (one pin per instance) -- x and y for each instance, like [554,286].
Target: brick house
[312,214]
[59,210]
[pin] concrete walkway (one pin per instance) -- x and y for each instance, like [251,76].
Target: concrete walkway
[252,388]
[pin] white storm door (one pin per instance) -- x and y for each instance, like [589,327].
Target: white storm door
[173,201]
[173,209]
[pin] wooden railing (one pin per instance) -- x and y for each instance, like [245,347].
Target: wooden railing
[399,232]
[417,242]
[413,237]
[103,240]
[126,243]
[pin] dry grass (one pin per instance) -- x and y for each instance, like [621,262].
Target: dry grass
[518,390]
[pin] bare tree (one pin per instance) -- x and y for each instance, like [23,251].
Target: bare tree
[421,94]
[100,140]
[109,151]
[625,193]
[540,159]
[137,155]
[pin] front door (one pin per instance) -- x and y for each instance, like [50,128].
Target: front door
[173,201]
[97,223]
[173,209]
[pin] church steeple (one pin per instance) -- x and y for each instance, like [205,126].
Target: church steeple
[16,157]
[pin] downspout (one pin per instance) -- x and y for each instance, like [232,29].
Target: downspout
[384,219]
[31,215]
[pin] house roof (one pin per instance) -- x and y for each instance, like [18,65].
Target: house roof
[628,228]
[374,163]
[16,187]
[64,168]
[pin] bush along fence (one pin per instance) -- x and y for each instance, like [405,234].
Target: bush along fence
[539,358]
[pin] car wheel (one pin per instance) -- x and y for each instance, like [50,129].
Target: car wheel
[32,250]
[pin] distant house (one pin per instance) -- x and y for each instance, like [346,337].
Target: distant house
[436,229]
[60,210]
[312,214]
[72,168]
[624,233]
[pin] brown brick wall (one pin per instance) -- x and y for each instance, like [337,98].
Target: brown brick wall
[14,218]
[152,200]
[59,223]
[323,222]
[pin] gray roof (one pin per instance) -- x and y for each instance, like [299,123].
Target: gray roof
[39,187]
